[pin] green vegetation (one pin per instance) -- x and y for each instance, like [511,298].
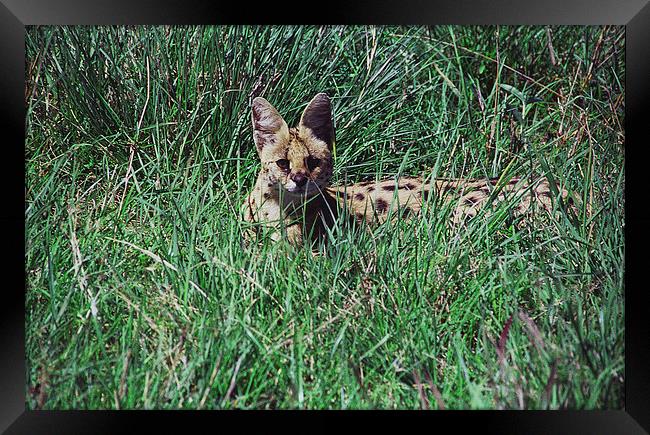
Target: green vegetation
[139,152]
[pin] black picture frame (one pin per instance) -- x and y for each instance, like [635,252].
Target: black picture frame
[16,14]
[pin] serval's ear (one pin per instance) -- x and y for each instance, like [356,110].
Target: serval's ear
[269,128]
[316,120]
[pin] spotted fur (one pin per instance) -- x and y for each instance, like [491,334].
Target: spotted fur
[293,196]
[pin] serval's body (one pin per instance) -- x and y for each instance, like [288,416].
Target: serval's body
[293,195]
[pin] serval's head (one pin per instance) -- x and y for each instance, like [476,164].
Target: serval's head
[296,161]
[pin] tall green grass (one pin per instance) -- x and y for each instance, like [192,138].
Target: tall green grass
[141,294]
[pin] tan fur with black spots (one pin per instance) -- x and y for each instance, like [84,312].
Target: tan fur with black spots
[292,195]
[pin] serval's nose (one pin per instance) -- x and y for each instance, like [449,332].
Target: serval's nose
[299,178]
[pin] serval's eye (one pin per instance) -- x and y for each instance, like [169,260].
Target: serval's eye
[312,163]
[283,164]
